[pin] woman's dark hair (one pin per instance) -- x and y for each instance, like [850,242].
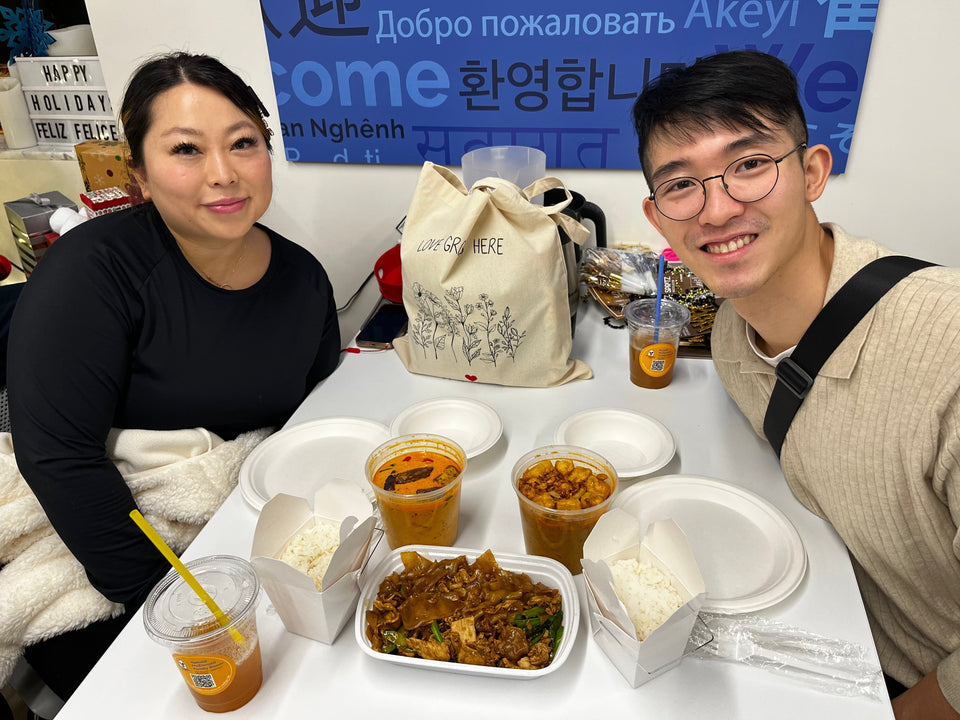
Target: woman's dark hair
[732,90]
[164,72]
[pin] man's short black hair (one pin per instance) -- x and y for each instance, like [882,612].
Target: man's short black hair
[731,90]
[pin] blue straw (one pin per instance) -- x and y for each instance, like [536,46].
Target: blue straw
[656,318]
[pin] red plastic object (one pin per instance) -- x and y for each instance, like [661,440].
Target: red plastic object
[389,276]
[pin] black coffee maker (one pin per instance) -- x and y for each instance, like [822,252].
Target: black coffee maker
[579,209]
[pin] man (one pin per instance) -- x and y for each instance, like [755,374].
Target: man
[875,447]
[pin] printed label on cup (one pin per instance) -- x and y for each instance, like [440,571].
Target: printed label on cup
[656,360]
[206,674]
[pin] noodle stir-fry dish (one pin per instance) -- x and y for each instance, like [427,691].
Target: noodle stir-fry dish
[475,613]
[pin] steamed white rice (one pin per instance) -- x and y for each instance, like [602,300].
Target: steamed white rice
[647,592]
[310,550]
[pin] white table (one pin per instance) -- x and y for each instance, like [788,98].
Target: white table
[303,678]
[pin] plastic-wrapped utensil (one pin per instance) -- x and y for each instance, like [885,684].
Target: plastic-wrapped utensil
[828,664]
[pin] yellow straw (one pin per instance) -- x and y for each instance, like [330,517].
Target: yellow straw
[188,577]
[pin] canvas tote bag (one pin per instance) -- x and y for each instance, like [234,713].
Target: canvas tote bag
[484,283]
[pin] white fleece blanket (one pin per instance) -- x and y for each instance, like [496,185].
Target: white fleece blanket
[178,477]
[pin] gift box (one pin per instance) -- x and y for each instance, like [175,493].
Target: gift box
[28,261]
[108,200]
[31,249]
[616,536]
[103,164]
[35,243]
[31,215]
[303,609]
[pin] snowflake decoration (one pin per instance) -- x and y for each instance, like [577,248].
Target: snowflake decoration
[25,31]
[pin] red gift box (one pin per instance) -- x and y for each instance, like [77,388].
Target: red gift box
[107,200]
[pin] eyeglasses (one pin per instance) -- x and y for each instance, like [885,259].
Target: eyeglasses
[746,180]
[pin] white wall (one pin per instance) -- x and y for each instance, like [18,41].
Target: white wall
[900,187]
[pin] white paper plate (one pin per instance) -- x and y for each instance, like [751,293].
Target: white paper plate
[636,444]
[749,553]
[539,569]
[471,424]
[301,458]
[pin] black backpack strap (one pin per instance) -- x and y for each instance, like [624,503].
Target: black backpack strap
[795,374]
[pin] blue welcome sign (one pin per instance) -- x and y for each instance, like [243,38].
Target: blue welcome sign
[379,81]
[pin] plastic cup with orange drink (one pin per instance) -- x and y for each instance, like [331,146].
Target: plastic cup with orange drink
[220,664]
[654,339]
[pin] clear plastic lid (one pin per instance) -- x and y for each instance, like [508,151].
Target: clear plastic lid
[174,613]
[642,313]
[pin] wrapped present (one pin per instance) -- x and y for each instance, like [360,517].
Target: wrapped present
[103,164]
[108,200]
[31,215]
[31,249]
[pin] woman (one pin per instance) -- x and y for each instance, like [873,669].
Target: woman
[182,312]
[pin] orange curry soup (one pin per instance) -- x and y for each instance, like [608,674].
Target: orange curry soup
[416,472]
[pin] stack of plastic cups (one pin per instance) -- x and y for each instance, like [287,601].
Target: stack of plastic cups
[516,163]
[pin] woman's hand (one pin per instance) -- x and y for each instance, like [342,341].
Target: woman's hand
[924,701]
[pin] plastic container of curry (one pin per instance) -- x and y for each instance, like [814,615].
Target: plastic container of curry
[562,490]
[416,479]
[538,569]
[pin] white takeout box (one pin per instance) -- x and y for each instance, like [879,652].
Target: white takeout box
[303,609]
[616,536]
